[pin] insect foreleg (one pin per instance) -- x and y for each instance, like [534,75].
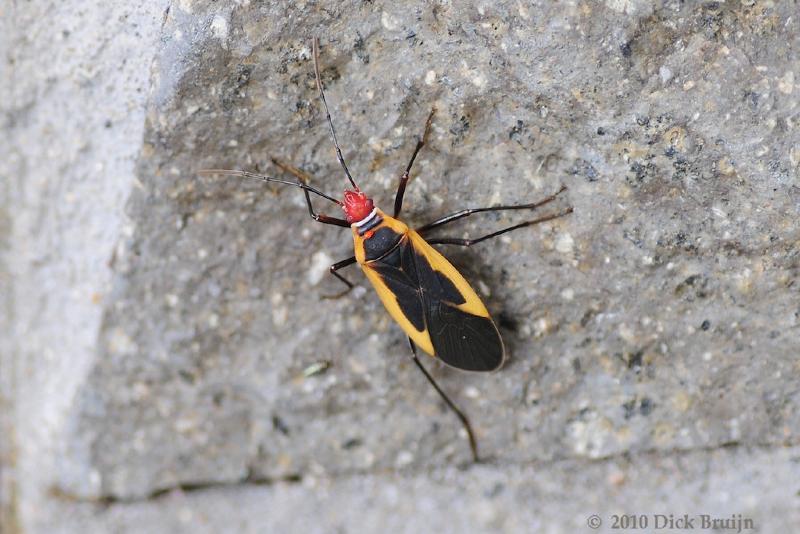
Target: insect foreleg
[335,267]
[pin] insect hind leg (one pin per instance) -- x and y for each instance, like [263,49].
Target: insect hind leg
[473,444]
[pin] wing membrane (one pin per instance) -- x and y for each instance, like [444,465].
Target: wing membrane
[463,340]
[433,298]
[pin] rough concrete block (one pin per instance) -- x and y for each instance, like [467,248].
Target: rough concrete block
[660,317]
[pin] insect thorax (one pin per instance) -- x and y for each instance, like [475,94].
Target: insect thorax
[369,222]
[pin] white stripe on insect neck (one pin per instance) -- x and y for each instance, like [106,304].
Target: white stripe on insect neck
[366,219]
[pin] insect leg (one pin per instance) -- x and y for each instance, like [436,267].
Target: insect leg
[335,267]
[470,242]
[401,188]
[321,217]
[447,219]
[473,444]
[305,178]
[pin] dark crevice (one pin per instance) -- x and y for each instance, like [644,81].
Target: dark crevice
[254,481]
[188,487]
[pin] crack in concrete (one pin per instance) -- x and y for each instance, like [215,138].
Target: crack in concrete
[255,481]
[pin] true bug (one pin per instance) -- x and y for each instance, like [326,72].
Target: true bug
[430,300]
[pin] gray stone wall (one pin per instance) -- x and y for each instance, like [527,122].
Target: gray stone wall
[171,366]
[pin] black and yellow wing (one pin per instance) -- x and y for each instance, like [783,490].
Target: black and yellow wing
[429,298]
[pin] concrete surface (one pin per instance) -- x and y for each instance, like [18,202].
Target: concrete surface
[164,326]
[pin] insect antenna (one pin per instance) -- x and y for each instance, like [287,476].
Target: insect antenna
[315,51]
[246,174]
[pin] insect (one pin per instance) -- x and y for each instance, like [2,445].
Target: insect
[427,297]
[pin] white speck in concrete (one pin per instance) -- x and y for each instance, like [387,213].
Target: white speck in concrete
[430,77]
[665,73]
[184,424]
[719,212]
[786,83]
[404,458]
[565,243]
[140,390]
[95,478]
[735,429]
[523,11]
[629,7]
[794,155]
[542,326]
[479,80]
[279,312]
[320,263]
[186,5]
[120,343]
[484,289]
[627,333]
[279,315]
[589,437]
[219,28]
[390,22]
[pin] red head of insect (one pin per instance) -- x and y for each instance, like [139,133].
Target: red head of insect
[357,206]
